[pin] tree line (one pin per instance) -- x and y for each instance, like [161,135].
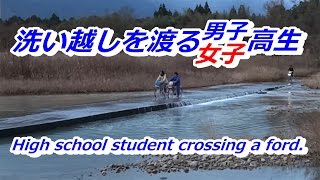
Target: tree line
[303,15]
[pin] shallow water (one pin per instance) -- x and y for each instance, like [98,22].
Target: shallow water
[246,116]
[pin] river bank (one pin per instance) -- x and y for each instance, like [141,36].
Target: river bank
[187,163]
[313,81]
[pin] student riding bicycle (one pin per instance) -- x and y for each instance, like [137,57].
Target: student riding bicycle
[176,82]
[161,81]
[290,74]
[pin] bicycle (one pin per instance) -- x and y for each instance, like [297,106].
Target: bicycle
[158,91]
[171,90]
[290,76]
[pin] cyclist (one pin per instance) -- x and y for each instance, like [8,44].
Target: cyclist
[162,81]
[290,74]
[176,82]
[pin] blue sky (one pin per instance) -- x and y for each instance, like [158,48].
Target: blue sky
[81,8]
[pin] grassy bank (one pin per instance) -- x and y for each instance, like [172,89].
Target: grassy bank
[310,130]
[313,81]
[62,74]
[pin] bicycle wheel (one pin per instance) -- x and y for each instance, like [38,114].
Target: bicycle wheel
[156,92]
[170,93]
[181,92]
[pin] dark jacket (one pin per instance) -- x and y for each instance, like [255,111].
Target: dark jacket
[176,80]
[291,69]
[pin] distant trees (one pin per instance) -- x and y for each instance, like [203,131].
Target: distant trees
[243,12]
[14,19]
[233,13]
[54,20]
[207,9]
[33,19]
[203,10]
[162,11]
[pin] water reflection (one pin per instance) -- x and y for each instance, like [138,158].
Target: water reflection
[238,117]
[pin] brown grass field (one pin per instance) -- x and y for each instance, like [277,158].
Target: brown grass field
[309,129]
[313,81]
[62,74]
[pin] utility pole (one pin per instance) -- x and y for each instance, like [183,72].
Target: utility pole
[2,9]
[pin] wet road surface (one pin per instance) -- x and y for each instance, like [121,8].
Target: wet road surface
[50,115]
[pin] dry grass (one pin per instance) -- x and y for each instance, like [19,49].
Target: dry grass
[62,74]
[309,129]
[313,81]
